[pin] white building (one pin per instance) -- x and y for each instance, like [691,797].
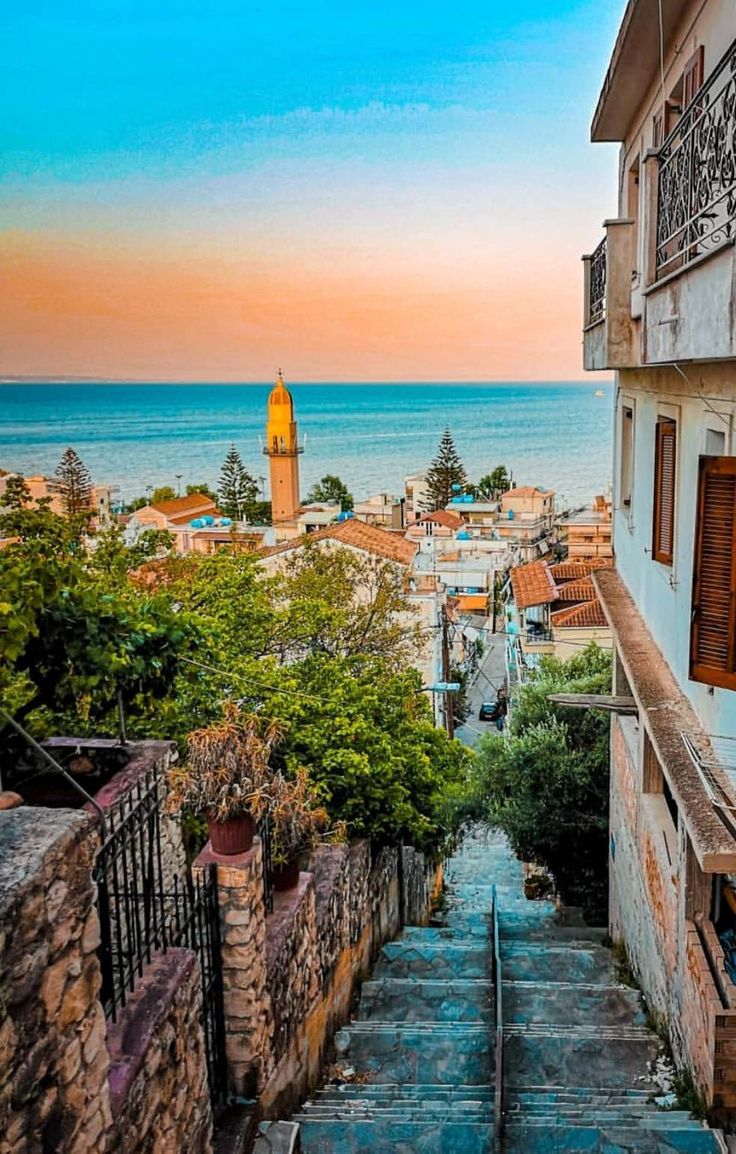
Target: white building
[660,309]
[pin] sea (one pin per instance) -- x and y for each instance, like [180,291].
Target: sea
[553,434]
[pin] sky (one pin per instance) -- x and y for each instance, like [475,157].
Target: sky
[347,189]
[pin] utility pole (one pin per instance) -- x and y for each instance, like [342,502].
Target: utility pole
[449,717]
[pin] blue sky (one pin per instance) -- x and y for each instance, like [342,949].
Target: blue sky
[283,131]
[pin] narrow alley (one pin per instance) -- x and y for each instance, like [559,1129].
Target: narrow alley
[415,1070]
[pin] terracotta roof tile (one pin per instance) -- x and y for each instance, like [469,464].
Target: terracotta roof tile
[182,505]
[533,584]
[359,535]
[528,491]
[580,590]
[442,517]
[572,570]
[589,615]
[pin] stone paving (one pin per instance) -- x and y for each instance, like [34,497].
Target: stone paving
[417,1063]
[421,1044]
[576,1045]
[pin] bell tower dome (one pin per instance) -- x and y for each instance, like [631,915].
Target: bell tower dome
[282,449]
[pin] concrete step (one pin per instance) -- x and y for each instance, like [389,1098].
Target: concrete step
[440,960]
[533,961]
[386,1091]
[399,1111]
[422,1052]
[411,1000]
[475,931]
[393,1137]
[574,1003]
[523,1138]
[606,1057]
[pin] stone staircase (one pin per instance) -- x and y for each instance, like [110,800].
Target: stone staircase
[577,1050]
[418,1063]
[421,1044]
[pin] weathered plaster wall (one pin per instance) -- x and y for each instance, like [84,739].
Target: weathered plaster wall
[158,1073]
[53,1059]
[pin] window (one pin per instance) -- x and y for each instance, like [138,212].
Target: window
[713,630]
[692,77]
[627,456]
[665,453]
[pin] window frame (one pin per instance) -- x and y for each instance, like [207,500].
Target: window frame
[666,426]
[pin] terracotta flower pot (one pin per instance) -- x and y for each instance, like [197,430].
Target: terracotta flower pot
[286,877]
[232,836]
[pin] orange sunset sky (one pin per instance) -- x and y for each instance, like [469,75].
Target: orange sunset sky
[351,196]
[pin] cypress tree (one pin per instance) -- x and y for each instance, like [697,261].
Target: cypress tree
[75,484]
[445,471]
[17,494]
[237,491]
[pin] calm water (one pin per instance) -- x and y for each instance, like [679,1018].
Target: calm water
[557,435]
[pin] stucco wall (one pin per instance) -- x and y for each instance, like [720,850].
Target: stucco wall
[663,593]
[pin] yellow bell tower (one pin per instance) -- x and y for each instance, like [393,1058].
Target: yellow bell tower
[282,449]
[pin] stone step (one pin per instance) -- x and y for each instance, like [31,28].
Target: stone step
[523,1138]
[533,961]
[398,1111]
[476,932]
[574,1003]
[576,1094]
[441,960]
[587,1115]
[385,1091]
[588,1058]
[411,1000]
[428,1052]
[392,1137]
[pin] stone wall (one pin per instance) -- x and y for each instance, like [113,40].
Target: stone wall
[53,1059]
[289,977]
[158,1074]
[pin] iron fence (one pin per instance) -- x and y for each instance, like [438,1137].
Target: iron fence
[147,906]
[696,204]
[598,272]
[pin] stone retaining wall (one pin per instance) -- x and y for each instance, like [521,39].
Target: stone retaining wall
[53,1059]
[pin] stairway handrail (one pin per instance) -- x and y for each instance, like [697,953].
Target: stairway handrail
[497,978]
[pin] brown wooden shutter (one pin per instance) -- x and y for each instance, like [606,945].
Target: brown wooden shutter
[665,454]
[713,633]
[692,77]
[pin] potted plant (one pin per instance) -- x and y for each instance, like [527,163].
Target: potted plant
[226,779]
[298,823]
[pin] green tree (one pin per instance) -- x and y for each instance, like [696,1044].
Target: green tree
[492,485]
[16,494]
[445,471]
[75,483]
[546,784]
[162,493]
[238,491]
[332,489]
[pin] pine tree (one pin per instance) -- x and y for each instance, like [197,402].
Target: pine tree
[75,484]
[445,471]
[238,492]
[16,494]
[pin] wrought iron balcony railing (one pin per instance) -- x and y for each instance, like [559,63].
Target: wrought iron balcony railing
[696,208]
[597,306]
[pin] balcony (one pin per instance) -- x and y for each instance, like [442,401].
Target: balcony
[607,323]
[691,228]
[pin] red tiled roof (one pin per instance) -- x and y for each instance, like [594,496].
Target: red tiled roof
[533,584]
[528,491]
[182,505]
[358,535]
[586,616]
[572,570]
[580,590]
[442,517]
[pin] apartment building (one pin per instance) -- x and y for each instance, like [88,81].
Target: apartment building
[660,310]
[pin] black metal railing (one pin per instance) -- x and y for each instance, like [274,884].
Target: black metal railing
[535,635]
[696,202]
[263,830]
[497,979]
[147,906]
[597,298]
